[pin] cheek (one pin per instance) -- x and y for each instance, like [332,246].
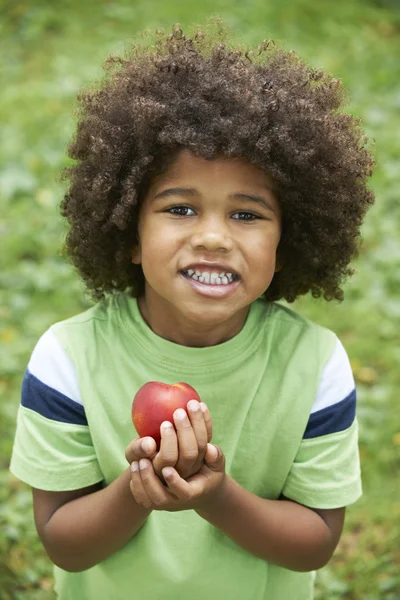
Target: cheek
[152,241]
[263,250]
[262,260]
[158,249]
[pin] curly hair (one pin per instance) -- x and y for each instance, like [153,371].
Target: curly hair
[200,93]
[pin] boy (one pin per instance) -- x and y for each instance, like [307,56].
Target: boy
[208,184]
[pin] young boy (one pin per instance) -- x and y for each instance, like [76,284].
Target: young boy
[208,184]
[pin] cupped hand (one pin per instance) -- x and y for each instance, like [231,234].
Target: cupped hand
[197,492]
[183,448]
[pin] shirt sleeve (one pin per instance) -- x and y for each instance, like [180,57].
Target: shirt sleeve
[326,471]
[53,448]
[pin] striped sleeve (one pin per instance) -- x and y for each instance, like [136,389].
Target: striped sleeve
[53,449]
[326,471]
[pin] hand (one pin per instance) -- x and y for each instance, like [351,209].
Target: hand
[198,492]
[184,448]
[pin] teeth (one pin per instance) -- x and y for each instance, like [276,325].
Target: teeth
[213,278]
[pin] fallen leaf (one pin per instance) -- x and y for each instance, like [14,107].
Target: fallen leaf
[396,439]
[8,335]
[366,375]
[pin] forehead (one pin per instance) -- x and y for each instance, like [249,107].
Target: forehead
[222,173]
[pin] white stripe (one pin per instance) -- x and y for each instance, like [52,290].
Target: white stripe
[51,365]
[336,381]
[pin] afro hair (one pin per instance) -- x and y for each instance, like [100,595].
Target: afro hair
[200,93]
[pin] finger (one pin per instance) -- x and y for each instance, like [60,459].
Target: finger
[155,490]
[178,487]
[212,453]
[207,420]
[215,458]
[168,454]
[199,427]
[140,448]
[138,491]
[187,442]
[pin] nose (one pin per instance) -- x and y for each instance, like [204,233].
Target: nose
[211,234]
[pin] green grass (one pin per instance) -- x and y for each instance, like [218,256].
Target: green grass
[48,54]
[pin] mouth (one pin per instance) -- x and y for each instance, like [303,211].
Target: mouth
[212,285]
[214,278]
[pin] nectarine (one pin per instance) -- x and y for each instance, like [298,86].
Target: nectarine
[156,402]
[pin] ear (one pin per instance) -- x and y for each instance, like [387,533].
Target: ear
[278,266]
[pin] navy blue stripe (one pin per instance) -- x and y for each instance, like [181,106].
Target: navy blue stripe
[50,403]
[332,419]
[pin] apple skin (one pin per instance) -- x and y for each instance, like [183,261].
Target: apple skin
[156,402]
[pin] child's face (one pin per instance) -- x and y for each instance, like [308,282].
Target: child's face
[197,216]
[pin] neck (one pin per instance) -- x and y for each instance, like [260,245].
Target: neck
[185,332]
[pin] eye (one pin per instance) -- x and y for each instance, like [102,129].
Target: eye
[246,216]
[180,211]
[177,211]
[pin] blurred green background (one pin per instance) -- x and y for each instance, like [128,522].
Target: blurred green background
[48,51]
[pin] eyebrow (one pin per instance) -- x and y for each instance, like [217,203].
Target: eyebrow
[177,191]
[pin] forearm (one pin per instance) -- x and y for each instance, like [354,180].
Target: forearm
[278,531]
[87,530]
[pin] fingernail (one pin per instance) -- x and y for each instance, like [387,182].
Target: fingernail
[143,464]
[135,466]
[193,405]
[166,425]
[145,445]
[203,406]
[180,414]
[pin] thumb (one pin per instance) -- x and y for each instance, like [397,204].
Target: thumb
[214,456]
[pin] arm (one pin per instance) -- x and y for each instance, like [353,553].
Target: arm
[80,528]
[278,531]
[286,532]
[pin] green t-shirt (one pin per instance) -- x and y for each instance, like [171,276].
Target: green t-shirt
[74,424]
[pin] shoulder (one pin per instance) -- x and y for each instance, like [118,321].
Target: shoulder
[334,405]
[50,386]
[53,449]
[287,317]
[50,364]
[319,351]
[101,311]
[51,381]
[296,335]
[78,333]
[326,471]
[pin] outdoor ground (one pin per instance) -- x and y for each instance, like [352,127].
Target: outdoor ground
[49,50]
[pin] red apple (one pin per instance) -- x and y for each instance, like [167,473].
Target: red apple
[156,402]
